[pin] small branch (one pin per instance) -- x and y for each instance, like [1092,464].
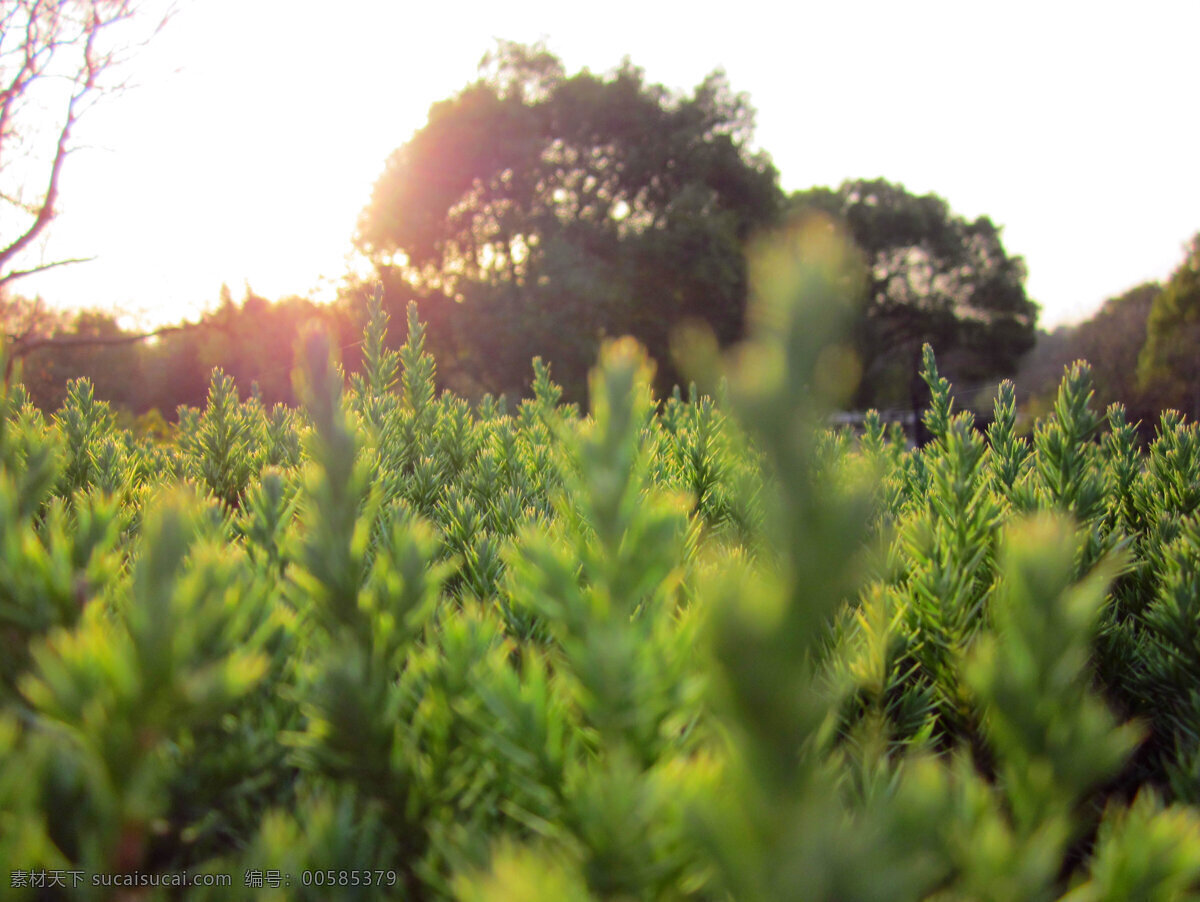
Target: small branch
[20,273]
[21,348]
[35,35]
[50,197]
[22,345]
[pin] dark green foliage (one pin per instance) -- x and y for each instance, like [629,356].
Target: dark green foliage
[697,649]
[538,212]
[1167,366]
[929,276]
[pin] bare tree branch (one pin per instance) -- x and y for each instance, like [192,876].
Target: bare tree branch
[22,349]
[19,346]
[20,273]
[53,53]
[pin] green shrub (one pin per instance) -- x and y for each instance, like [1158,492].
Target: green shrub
[389,646]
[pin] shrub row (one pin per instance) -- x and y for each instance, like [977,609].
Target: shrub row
[409,648]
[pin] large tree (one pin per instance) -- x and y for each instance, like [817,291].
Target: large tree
[931,276]
[1169,365]
[547,210]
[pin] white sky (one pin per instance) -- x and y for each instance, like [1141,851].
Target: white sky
[260,126]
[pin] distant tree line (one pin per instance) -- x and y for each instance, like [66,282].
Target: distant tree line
[1144,347]
[252,340]
[538,212]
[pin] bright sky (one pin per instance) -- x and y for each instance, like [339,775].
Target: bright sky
[260,126]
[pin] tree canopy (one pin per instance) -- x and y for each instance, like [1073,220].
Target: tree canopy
[931,276]
[556,209]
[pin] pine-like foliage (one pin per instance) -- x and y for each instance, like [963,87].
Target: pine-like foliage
[390,645]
